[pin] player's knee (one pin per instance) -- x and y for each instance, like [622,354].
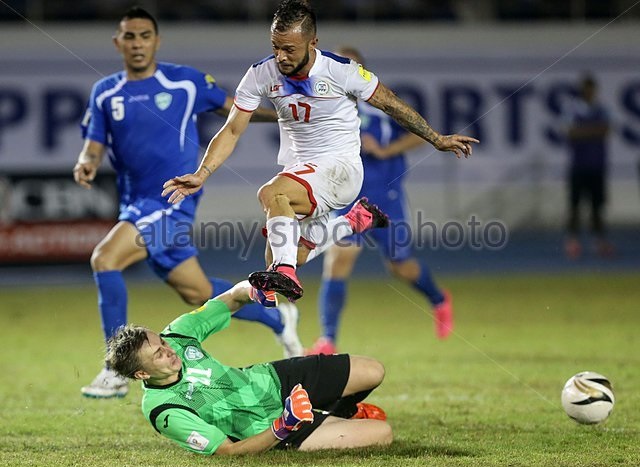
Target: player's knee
[373,372]
[377,433]
[101,260]
[377,372]
[398,272]
[193,297]
[266,195]
[270,196]
[338,263]
[402,270]
[384,434]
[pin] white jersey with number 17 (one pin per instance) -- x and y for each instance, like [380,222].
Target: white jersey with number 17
[317,115]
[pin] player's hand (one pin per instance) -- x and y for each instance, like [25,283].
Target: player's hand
[181,187]
[457,144]
[371,146]
[297,410]
[84,173]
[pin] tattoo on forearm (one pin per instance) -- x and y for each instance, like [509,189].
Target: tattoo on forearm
[413,122]
[207,169]
[407,117]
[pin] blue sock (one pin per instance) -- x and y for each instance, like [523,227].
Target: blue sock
[427,286]
[331,298]
[253,311]
[112,300]
[219,286]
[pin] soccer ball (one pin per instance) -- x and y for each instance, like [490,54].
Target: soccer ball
[588,397]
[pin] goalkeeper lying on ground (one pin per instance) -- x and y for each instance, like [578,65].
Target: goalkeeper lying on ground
[206,407]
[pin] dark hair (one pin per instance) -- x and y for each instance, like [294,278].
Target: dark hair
[139,12]
[291,13]
[122,349]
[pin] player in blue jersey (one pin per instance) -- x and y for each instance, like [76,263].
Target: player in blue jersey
[383,145]
[144,117]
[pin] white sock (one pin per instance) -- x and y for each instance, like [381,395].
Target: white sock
[325,235]
[283,233]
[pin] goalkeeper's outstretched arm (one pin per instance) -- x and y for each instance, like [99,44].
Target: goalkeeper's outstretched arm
[236,297]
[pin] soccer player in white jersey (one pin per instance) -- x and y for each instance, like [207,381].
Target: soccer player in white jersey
[314,93]
[144,117]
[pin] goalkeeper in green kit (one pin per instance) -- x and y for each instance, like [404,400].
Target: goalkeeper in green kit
[304,403]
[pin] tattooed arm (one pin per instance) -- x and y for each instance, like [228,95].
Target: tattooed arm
[385,100]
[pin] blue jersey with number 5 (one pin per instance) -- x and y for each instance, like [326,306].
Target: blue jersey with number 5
[149,125]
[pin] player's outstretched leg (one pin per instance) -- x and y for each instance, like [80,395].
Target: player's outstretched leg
[288,338]
[279,278]
[288,312]
[364,216]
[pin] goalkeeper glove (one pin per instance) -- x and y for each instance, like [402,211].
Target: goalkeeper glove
[297,410]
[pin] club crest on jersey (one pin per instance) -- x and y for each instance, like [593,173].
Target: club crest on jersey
[163,100]
[321,88]
[193,353]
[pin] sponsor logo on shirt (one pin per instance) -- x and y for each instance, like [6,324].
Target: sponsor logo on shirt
[197,441]
[364,73]
[163,100]
[210,80]
[193,353]
[275,87]
[139,98]
[321,88]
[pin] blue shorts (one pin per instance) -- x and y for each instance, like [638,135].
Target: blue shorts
[166,231]
[394,242]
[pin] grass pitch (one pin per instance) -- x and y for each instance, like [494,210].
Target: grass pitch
[488,396]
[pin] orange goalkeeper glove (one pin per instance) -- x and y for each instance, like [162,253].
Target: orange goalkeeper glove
[297,410]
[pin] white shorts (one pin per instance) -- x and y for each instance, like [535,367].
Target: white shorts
[330,183]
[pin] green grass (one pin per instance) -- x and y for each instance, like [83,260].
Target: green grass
[488,396]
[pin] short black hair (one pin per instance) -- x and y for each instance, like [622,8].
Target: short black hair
[291,13]
[122,350]
[139,12]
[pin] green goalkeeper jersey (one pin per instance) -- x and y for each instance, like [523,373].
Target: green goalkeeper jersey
[211,401]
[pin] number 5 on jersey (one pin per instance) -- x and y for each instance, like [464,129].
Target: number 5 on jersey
[305,109]
[117,108]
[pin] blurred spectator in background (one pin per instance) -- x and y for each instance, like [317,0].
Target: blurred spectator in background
[588,128]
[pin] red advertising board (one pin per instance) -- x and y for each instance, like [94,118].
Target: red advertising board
[48,218]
